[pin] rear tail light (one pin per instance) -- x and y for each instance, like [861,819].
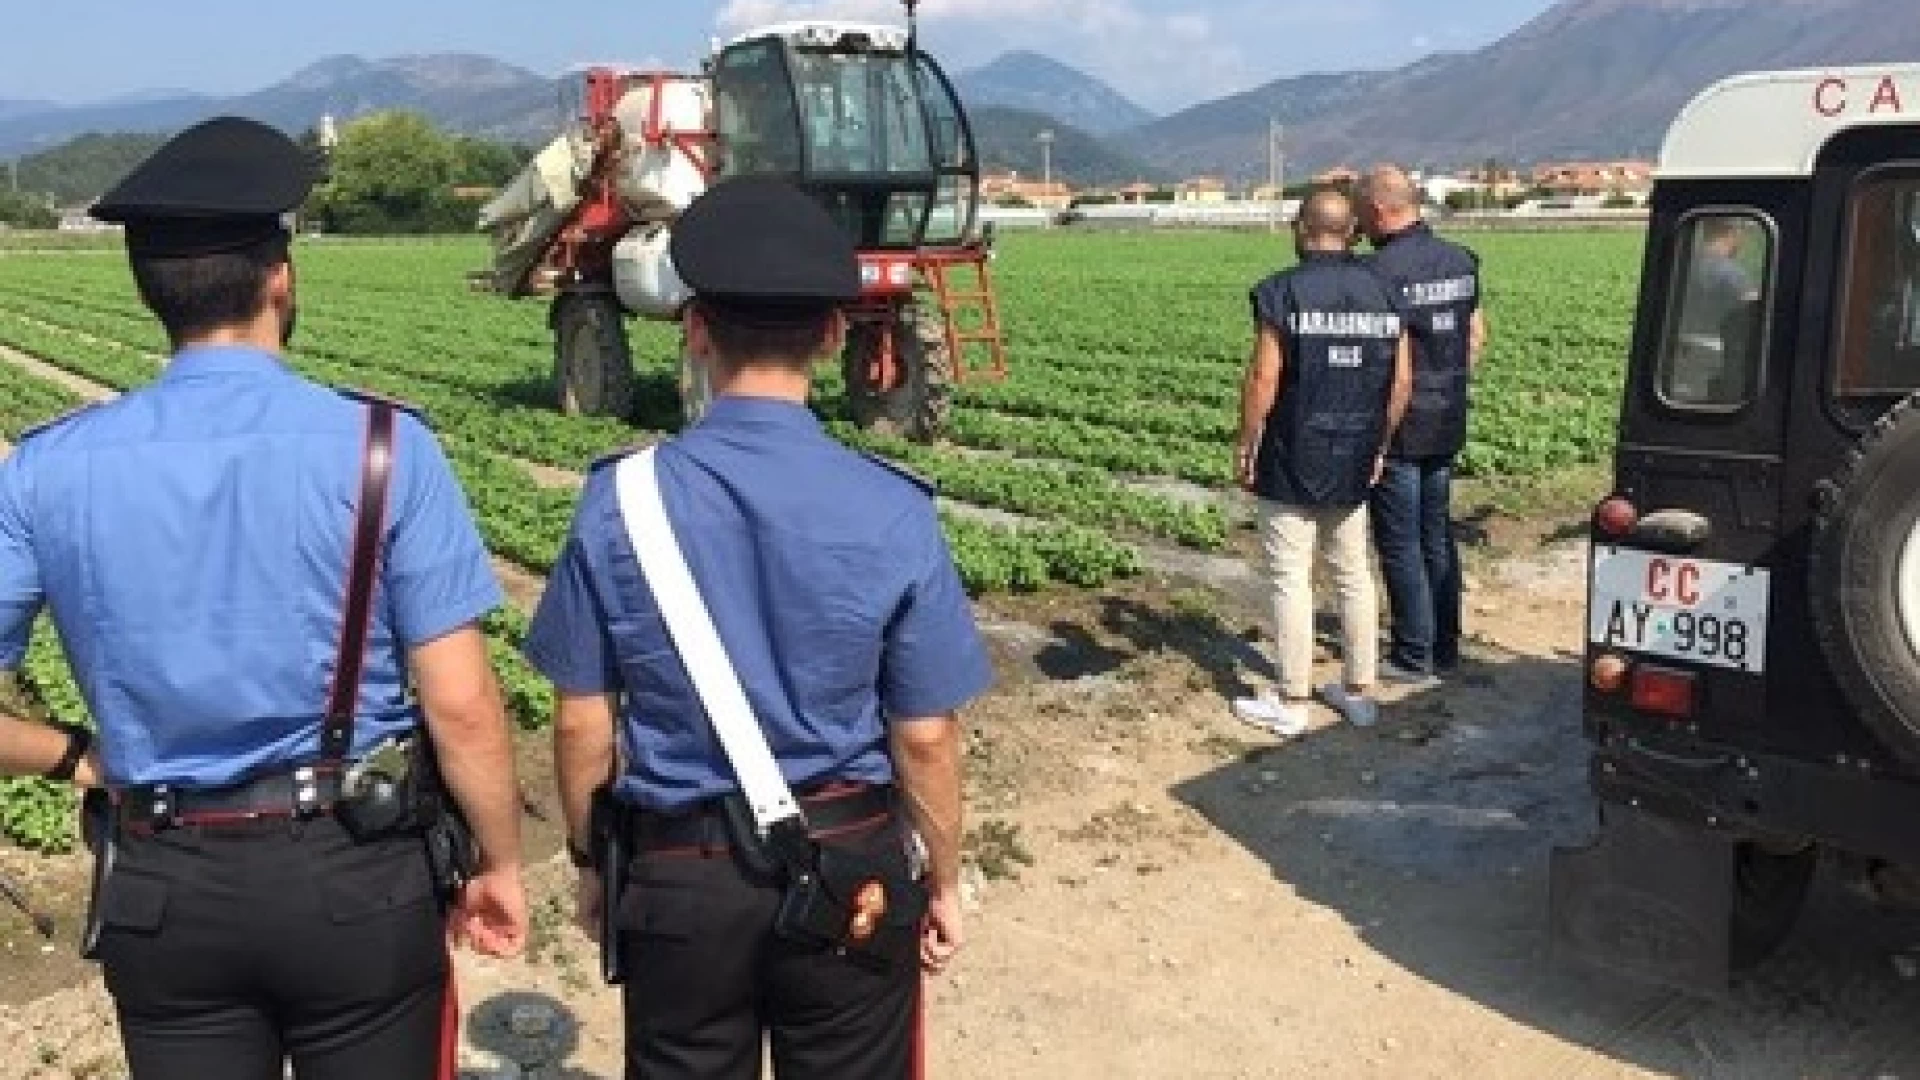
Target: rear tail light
[1616,517]
[1608,674]
[1664,692]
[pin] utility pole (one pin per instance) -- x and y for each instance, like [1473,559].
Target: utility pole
[1046,168]
[1276,171]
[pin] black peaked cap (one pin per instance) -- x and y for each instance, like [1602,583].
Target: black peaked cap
[218,186]
[765,251]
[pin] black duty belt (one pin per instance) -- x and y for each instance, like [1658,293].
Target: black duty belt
[835,810]
[302,793]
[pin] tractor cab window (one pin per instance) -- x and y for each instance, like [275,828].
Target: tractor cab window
[952,220]
[755,102]
[861,113]
[1879,353]
[1712,354]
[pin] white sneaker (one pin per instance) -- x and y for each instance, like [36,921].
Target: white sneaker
[1268,713]
[1358,709]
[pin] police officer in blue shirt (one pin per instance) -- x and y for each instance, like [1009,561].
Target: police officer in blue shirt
[191,542]
[1412,507]
[833,592]
[1324,391]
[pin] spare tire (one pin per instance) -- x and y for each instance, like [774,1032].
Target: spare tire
[1864,578]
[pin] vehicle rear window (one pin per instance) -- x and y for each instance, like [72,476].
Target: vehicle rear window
[1879,353]
[1711,358]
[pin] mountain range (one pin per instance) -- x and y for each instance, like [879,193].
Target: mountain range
[1586,79]
[1034,83]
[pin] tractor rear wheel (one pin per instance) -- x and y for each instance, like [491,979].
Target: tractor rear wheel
[592,362]
[919,407]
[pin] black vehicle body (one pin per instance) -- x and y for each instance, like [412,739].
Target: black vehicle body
[1711,816]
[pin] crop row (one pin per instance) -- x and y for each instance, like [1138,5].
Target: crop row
[495,351]
[1080,497]
[1070,493]
[521,520]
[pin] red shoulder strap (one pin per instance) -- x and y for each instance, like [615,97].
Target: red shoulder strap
[363,568]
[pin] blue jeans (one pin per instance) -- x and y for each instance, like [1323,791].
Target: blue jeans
[1413,530]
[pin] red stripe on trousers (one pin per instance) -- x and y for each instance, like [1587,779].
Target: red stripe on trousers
[919,1060]
[449,1027]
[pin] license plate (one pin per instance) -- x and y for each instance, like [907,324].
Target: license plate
[1696,610]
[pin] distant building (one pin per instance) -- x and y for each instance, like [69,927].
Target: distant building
[1438,189]
[1008,187]
[1137,193]
[1594,178]
[1203,189]
[1341,176]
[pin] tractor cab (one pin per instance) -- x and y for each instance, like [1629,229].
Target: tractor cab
[1753,643]
[858,116]
[855,114]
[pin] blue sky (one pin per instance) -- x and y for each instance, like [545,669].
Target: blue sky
[1164,53]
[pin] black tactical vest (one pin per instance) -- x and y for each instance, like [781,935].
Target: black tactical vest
[1440,282]
[1340,324]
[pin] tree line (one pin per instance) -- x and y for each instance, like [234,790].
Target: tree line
[388,173]
[394,173]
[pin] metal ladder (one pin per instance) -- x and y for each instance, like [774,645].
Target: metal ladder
[976,306]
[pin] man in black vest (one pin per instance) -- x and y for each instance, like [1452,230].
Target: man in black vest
[1325,390]
[1412,516]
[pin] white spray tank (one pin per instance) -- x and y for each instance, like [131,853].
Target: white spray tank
[666,121]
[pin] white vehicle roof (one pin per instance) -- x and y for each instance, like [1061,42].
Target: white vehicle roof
[826,33]
[1774,123]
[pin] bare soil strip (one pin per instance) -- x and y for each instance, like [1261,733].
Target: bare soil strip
[58,376]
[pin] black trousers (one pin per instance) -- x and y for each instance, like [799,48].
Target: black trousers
[707,978]
[229,950]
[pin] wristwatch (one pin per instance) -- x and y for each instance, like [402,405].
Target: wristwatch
[79,741]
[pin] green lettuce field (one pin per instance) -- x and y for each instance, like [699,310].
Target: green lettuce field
[1126,354]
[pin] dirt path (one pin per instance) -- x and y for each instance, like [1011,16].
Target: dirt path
[1158,892]
[66,380]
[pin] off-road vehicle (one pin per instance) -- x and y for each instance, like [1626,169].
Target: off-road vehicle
[1753,657]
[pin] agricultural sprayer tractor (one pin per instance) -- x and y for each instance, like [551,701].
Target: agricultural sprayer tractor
[855,114]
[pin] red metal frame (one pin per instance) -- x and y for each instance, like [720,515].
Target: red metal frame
[584,249]
[882,301]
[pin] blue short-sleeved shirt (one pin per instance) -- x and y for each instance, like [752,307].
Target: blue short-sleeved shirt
[190,541]
[829,582]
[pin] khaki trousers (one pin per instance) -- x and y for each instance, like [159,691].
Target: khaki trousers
[1293,537]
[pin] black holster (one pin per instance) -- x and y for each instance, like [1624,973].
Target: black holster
[100,831]
[607,835]
[845,900]
[380,805]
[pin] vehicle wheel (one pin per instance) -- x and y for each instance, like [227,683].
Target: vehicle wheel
[592,362]
[1864,579]
[1769,887]
[920,406]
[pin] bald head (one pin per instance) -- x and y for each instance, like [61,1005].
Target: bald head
[1326,221]
[1388,187]
[1389,202]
